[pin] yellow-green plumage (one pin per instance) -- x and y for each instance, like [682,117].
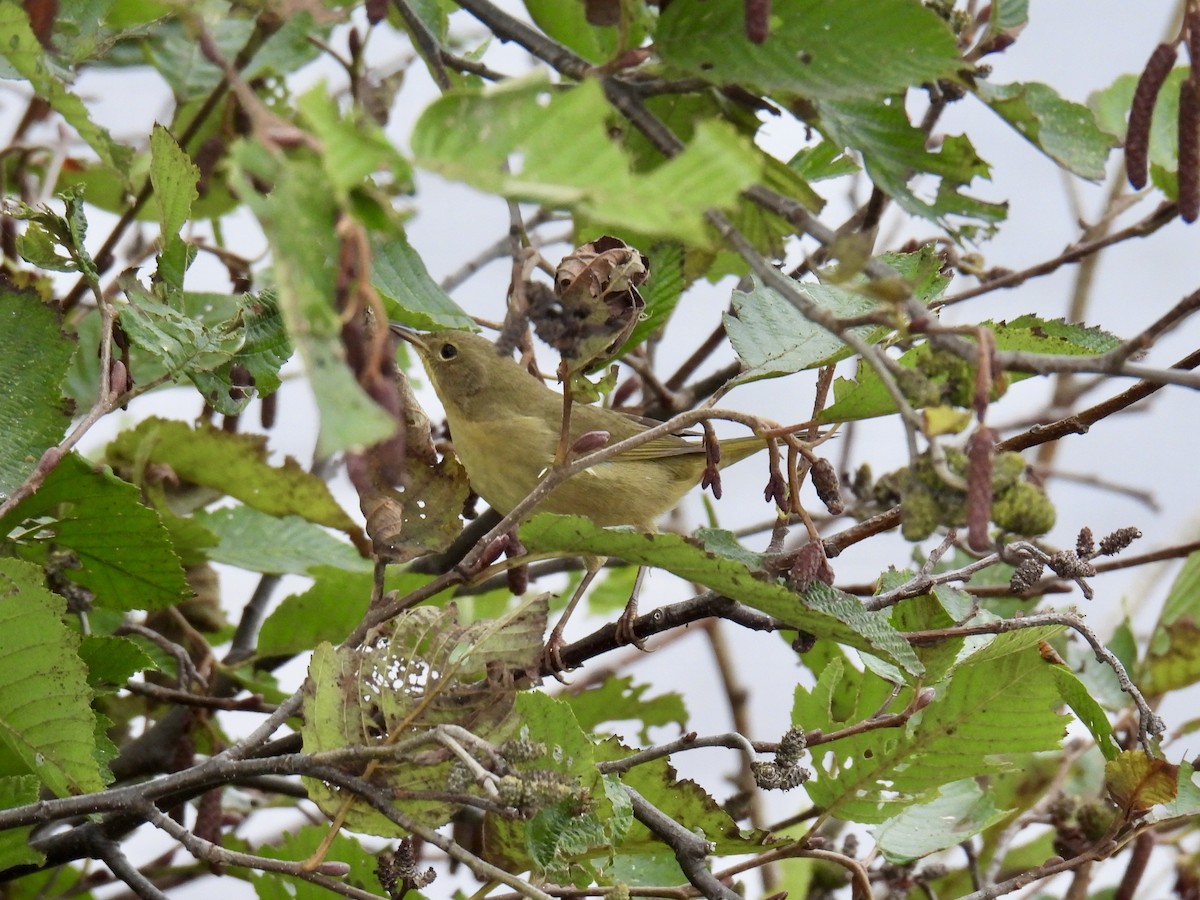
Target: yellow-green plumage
[505,424]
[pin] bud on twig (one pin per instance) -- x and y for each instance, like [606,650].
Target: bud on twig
[589,441]
[1085,544]
[118,378]
[776,489]
[825,481]
[712,461]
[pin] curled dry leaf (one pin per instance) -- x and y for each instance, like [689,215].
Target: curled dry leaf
[596,303]
[423,515]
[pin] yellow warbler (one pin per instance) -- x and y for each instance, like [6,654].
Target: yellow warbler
[506,424]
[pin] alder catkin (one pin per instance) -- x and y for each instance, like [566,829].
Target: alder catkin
[1137,136]
[980,471]
[825,480]
[1189,150]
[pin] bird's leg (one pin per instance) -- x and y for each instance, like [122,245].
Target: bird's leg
[552,652]
[625,632]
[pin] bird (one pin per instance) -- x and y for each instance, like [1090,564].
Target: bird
[505,425]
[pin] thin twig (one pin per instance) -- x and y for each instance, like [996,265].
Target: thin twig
[214,853]
[118,863]
[691,851]
[1165,214]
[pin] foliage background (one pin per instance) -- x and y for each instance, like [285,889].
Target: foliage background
[1063,45]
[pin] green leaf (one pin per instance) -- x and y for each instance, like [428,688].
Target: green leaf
[821,161]
[1111,107]
[774,338]
[125,553]
[619,698]
[1186,804]
[1173,657]
[353,149]
[816,48]
[1066,132]
[299,218]
[18,790]
[237,465]
[568,24]
[48,231]
[960,811]
[33,414]
[866,396]
[303,844]
[1086,708]
[177,56]
[410,295]
[204,337]
[280,545]
[1008,15]
[327,611]
[179,342]
[924,271]
[999,702]
[684,801]
[174,177]
[416,671]
[821,610]
[289,47]
[112,660]
[26,55]
[262,348]
[661,292]
[894,151]
[559,839]
[46,718]
[925,613]
[473,136]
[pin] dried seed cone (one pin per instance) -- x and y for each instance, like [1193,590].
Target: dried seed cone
[1118,541]
[1137,136]
[1085,544]
[1189,150]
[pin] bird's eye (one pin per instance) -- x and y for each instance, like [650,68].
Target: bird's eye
[448,351]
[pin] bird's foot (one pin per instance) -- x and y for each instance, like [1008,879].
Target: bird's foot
[551,662]
[626,631]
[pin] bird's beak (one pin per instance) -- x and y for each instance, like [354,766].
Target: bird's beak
[411,335]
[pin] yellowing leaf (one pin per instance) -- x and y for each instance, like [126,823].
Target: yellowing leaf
[1137,781]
